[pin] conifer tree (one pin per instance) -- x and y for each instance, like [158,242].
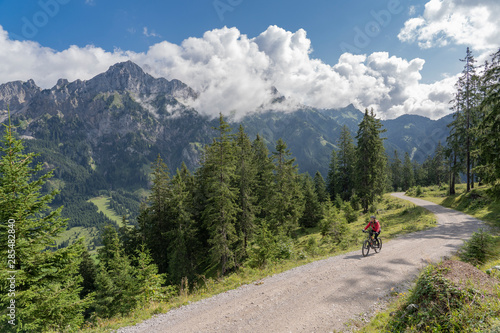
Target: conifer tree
[88,271]
[246,182]
[396,172]
[116,284]
[221,210]
[333,172]
[371,160]
[320,187]
[419,174]
[312,207]
[154,220]
[264,187]
[333,224]
[455,143]
[465,103]
[148,279]
[47,283]
[489,140]
[183,244]
[408,176]
[345,165]
[287,202]
[438,172]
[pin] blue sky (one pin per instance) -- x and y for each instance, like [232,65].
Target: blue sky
[404,51]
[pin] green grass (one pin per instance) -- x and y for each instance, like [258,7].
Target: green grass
[102,204]
[396,216]
[73,234]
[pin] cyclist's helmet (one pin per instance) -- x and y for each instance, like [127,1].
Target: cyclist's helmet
[373,217]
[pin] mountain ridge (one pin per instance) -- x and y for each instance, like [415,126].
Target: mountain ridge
[104,133]
[125,100]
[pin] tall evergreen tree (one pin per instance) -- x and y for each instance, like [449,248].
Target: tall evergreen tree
[439,171]
[408,176]
[419,173]
[246,183]
[183,245]
[287,201]
[320,187]
[154,220]
[312,207]
[489,140]
[116,285]
[333,172]
[455,142]
[221,210]
[264,167]
[47,282]
[467,91]
[396,172]
[346,159]
[371,160]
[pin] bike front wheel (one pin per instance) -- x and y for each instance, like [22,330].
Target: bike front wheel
[366,248]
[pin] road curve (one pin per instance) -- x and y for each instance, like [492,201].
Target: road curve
[321,296]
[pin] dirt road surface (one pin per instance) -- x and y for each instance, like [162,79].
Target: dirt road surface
[325,295]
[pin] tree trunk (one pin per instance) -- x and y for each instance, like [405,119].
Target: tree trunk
[452,175]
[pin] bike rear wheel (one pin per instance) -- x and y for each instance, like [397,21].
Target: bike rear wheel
[379,244]
[366,248]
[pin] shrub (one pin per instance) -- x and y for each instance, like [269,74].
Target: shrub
[418,191]
[438,305]
[350,214]
[478,248]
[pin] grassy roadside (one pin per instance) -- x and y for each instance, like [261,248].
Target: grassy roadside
[465,307]
[309,246]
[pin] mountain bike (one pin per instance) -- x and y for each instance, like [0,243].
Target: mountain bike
[371,242]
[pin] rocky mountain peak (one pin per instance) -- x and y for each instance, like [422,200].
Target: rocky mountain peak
[128,76]
[14,95]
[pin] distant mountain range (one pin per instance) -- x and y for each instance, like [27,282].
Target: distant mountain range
[102,134]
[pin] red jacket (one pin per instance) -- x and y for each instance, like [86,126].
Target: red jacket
[375,226]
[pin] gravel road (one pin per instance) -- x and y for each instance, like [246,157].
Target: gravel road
[324,295]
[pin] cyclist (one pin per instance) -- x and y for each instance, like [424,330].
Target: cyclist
[375,226]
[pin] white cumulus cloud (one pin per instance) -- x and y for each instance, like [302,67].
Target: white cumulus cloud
[234,74]
[461,22]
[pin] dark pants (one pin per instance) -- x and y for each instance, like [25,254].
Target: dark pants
[374,234]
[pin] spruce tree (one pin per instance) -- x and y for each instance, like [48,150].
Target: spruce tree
[47,283]
[345,165]
[467,96]
[147,278]
[153,221]
[182,237]
[116,284]
[455,143]
[396,172]
[333,224]
[264,186]
[287,202]
[320,187]
[489,140]
[246,183]
[312,207]
[332,178]
[371,160]
[220,213]
[408,176]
